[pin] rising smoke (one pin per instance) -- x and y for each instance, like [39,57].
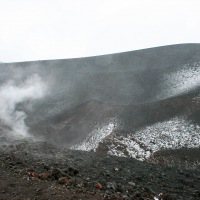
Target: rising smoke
[13,93]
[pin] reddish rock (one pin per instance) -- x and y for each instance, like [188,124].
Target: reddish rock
[99,186]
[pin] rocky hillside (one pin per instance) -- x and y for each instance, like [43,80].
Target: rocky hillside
[136,113]
[128,104]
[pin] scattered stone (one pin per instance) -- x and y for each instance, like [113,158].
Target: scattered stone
[131,183]
[98,186]
[72,171]
[116,169]
[43,176]
[125,197]
[110,185]
[58,173]
[64,180]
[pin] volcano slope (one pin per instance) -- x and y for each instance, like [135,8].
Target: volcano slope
[140,105]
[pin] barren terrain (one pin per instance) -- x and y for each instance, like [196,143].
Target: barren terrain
[119,126]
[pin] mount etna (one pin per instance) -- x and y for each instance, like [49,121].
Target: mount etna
[119,126]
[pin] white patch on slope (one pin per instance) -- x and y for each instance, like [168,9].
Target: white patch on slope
[95,137]
[176,83]
[174,134]
[127,147]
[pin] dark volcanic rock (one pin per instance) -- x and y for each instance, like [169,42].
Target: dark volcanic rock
[134,179]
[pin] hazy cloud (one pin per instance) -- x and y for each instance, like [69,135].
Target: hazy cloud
[48,29]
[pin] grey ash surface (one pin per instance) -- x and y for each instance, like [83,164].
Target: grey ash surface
[137,88]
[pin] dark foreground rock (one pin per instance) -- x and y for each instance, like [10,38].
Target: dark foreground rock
[37,170]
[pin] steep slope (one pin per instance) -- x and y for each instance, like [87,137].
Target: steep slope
[125,102]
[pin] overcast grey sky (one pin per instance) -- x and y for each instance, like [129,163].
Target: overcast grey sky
[51,29]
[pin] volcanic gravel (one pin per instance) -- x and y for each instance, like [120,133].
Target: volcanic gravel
[37,170]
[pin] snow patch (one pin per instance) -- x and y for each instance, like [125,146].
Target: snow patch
[181,81]
[174,134]
[95,137]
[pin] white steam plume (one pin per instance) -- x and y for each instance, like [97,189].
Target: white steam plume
[12,94]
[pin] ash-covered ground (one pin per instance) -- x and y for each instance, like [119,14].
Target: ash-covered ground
[38,170]
[117,126]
